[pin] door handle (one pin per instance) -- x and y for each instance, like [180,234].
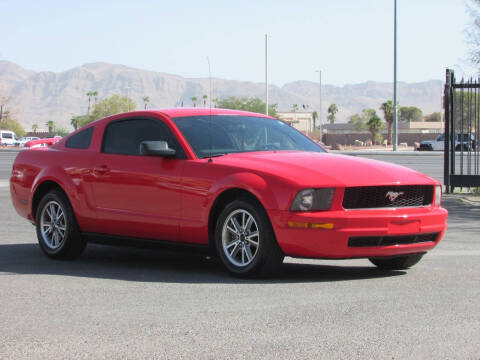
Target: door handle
[101,170]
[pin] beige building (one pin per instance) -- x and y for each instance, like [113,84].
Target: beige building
[302,121]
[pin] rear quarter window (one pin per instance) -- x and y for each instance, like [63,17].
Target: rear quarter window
[81,140]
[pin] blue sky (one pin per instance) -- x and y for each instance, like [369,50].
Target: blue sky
[350,40]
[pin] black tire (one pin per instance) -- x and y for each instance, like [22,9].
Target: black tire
[396,263]
[71,245]
[266,258]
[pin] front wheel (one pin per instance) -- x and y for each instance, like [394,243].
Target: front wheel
[57,229]
[396,263]
[245,241]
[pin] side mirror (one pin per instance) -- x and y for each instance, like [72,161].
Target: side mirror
[158,148]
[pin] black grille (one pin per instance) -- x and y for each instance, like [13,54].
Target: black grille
[367,197]
[369,241]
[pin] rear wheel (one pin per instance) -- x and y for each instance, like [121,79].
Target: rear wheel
[245,241]
[57,229]
[396,263]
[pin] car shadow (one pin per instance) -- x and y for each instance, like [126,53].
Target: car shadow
[128,264]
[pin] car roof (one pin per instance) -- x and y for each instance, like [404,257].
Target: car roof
[181,112]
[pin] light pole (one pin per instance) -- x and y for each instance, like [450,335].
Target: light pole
[266,74]
[320,99]
[395,110]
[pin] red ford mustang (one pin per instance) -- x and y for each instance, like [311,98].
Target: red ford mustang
[246,187]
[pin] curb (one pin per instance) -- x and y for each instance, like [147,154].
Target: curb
[388,152]
[7,150]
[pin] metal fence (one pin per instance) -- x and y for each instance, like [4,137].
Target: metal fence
[462,135]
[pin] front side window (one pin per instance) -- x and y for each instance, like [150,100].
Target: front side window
[125,136]
[224,134]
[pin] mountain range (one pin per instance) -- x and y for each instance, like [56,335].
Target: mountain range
[37,97]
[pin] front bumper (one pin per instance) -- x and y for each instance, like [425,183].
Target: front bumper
[333,243]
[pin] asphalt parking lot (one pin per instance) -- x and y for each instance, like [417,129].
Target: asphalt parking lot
[123,303]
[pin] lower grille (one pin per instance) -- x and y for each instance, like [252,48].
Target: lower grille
[369,241]
[371,197]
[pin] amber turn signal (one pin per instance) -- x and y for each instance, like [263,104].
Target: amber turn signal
[302,225]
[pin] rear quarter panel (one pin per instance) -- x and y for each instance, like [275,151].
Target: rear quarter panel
[66,167]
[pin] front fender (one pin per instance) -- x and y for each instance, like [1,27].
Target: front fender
[250,182]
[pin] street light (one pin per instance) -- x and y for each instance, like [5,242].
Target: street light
[320,99]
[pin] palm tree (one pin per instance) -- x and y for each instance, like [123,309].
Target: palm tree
[146,100]
[295,107]
[215,102]
[205,100]
[74,122]
[194,99]
[34,128]
[51,126]
[89,94]
[387,108]
[332,110]
[95,94]
[375,125]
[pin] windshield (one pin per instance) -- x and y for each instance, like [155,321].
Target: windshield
[225,134]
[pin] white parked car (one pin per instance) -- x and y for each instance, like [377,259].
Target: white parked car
[461,143]
[7,138]
[21,142]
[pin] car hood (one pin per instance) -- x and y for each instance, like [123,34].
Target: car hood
[324,169]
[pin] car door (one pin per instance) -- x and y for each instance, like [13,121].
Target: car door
[137,195]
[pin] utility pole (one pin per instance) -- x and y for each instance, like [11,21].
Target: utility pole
[320,100]
[395,109]
[266,74]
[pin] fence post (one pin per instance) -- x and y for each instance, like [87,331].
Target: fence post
[446,147]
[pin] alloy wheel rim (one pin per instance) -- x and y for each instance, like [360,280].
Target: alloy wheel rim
[53,225]
[240,238]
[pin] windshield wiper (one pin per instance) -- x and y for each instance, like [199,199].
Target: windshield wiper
[214,155]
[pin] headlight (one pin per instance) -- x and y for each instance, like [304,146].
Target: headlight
[313,200]
[438,195]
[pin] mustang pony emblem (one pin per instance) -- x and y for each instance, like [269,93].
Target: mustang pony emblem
[393,195]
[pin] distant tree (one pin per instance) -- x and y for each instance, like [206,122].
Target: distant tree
[253,104]
[95,95]
[295,108]
[375,126]
[112,105]
[215,102]
[3,106]
[332,110]
[434,117]
[61,132]
[89,95]
[51,126]
[194,100]
[387,108]
[205,100]
[34,128]
[473,32]
[370,121]
[75,121]
[410,114]
[8,123]
[315,118]
[146,100]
